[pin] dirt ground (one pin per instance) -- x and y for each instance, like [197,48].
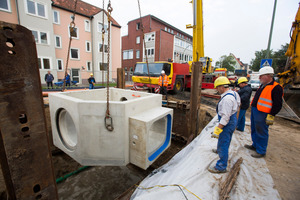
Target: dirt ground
[110,182]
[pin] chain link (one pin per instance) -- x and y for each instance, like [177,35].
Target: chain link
[71,29]
[108,124]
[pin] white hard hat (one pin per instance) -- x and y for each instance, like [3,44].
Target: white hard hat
[163,72]
[266,70]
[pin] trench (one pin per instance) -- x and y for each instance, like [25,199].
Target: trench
[112,182]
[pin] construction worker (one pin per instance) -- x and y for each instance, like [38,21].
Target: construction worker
[92,81]
[266,103]
[227,110]
[163,83]
[245,94]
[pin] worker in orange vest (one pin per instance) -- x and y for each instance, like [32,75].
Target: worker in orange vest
[266,103]
[163,83]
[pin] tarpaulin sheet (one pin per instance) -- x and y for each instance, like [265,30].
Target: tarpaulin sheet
[188,168]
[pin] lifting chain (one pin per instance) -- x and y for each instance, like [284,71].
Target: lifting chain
[72,34]
[142,28]
[108,120]
[103,34]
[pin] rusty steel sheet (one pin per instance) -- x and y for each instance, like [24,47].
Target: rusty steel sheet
[24,145]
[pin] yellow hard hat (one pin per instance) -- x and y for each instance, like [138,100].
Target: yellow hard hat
[242,80]
[222,80]
[91,74]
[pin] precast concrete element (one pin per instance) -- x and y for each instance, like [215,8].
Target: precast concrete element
[142,128]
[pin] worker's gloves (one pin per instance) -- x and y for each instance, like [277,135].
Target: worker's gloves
[270,119]
[216,132]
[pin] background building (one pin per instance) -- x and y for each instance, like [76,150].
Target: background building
[49,22]
[163,42]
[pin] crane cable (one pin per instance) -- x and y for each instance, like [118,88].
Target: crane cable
[108,120]
[72,33]
[142,28]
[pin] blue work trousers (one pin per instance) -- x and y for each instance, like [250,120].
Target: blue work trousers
[91,86]
[224,142]
[259,130]
[241,120]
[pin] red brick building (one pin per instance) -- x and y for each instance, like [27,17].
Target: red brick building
[163,41]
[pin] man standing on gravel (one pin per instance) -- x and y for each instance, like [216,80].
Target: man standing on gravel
[245,94]
[226,110]
[266,103]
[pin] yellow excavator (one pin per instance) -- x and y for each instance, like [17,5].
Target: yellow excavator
[290,78]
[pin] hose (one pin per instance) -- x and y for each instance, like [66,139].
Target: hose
[60,179]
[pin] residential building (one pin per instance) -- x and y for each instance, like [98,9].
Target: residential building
[238,64]
[50,21]
[162,43]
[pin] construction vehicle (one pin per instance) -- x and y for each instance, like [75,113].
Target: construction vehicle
[179,75]
[290,78]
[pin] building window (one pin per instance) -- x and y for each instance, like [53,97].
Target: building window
[36,9]
[166,29]
[127,54]
[103,66]
[40,37]
[137,55]
[169,30]
[149,52]
[44,63]
[75,54]
[87,26]
[75,35]
[56,19]
[89,66]
[59,64]
[138,39]
[5,5]
[88,46]
[172,31]
[149,37]
[101,48]
[57,41]
[100,26]
[138,26]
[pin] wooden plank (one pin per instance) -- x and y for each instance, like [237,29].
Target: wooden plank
[195,99]
[121,78]
[230,180]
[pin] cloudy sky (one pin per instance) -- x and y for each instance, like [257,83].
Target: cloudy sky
[240,27]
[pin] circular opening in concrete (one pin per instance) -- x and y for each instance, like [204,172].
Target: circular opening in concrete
[66,129]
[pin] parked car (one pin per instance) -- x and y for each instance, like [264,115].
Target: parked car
[254,84]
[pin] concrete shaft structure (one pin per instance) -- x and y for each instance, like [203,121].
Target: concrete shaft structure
[142,128]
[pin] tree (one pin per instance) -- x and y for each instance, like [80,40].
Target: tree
[255,63]
[226,62]
[279,59]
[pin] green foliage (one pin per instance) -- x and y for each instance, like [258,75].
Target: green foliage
[226,62]
[279,59]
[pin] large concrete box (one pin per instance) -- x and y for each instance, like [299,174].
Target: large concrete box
[78,126]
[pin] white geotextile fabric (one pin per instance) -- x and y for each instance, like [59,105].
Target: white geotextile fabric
[189,168]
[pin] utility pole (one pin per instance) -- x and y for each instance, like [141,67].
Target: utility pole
[271,30]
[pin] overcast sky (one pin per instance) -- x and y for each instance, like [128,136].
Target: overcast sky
[240,27]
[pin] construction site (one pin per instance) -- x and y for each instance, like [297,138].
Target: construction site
[132,140]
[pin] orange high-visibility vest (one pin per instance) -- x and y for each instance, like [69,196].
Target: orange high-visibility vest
[265,103]
[166,80]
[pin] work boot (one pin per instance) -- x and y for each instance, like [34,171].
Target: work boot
[215,151]
[257,155]
[213,169]
[251,147]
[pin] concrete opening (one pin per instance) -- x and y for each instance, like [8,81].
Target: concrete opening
[66,129]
